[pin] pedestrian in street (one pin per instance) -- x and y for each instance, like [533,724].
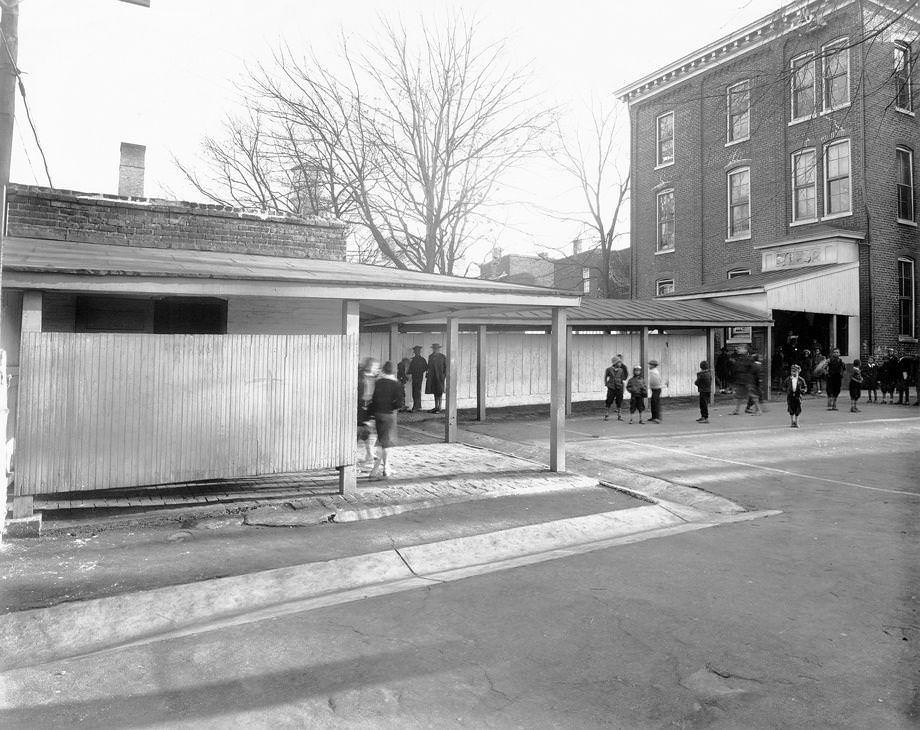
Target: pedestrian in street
[722,370]
[418,366]
[388,398]
[654,385]
[614,377]
[856,383]
[638,392]
[367,378]
[402,377]
[437,376]
[888,376]
[742,383]
[903,380]
[755,396]
[870,380]
[835,370]
[819,372]
[808,369]
[703,385]
[794,385]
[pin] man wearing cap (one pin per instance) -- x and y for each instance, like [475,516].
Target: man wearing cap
[418,366]
[437,376]
[654,386]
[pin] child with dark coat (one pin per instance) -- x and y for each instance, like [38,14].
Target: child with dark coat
[856,383]
[637,394]
[703,385]
[870,380]
[795,387]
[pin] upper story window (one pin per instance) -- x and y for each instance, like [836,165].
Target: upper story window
[738,101]
[586,279]
[903,68]
[905,184]
[906,302]
[804,186]
[836,57]
[837,178]
[666,220]
[803,86]
[735,273]
[665,139]
[739,203]
[664,286]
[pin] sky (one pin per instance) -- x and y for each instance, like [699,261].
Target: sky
[100,72]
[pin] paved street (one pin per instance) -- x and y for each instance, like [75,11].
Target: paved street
[805,619]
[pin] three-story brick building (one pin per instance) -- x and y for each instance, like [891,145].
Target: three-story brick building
[774,170]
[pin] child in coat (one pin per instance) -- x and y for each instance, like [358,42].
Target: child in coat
[795,387]
[703,385]
[637,394]
[870,380]
[856,382]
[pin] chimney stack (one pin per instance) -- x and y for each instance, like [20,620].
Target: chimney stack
[576,247]
[131,170]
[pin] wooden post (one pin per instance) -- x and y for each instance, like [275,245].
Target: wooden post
[453,362]
[348,476]
[833,333]
[481,372]
[711,359]
[568,371]
[31,322]
[643,352]
[558,358]
[394,345]
[768,362]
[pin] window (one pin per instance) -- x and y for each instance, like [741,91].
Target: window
[735,273]
[905,184]
[837,178]
[803,86]
[903,68]
[586,279]
[804,186]
[665,137]
[836,74]
[666,220]
[663,287]
[739,203]
[739,111]
[905,297]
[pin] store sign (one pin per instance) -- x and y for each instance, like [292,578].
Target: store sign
[739,336]
[798,257]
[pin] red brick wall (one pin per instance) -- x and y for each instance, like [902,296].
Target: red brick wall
[64,215]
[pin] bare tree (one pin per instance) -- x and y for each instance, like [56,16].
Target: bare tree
[407,141]
[597,164]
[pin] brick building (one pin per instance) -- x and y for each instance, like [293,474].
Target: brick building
[774,170]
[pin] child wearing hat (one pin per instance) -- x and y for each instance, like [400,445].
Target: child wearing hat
[703,385]
[856,383]
[795,386]
[637,394]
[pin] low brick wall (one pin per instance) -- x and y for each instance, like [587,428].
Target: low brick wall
[66,215]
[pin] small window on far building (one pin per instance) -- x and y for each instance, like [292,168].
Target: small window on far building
[837,178]
[803,86]
[804,186]
[664,286]
[739,203]
[903,69]
[735,273]
[738,102]
[586,279]
[666,220]
[906,302]
[905,184]
[665,139]
[836,67]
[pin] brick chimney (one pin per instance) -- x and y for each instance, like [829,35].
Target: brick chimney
[131,170]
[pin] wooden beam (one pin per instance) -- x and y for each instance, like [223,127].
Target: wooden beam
[711,359]
[351,321]
[558,358]
[481,372]
[394,344]
[453,375]
[568,371]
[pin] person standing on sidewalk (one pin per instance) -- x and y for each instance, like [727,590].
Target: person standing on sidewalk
[367,379]
[703,385]
[637,394]
[870,380]
[835,369]
[418,366]
[437,376]
[387,400]
[856,383]
[795,388]
[742,386]
[654,385]
[614,376]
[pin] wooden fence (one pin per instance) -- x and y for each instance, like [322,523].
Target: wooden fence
[518,365]
[99,411]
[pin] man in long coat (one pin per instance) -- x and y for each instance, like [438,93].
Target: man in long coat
[418,366]
[437,376]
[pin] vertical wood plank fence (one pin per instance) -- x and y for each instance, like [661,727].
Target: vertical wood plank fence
[101,411]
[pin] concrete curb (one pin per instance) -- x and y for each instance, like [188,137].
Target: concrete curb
[67,630]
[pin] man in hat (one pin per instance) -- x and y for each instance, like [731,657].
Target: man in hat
[418,366]
[654,386]
[437,376]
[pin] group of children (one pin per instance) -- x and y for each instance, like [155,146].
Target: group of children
[616,379]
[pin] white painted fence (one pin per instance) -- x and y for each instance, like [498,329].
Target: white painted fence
[519,365]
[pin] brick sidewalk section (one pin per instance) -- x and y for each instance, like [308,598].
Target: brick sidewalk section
[423,476]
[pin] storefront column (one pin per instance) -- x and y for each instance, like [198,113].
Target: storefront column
[481,372]
[568,371]
[394,345]
[558,358]
[768,362]
[833,338]
[711,359]
[643,353]
[453,363]
[350,327]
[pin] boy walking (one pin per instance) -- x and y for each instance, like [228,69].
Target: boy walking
[637,394]
[613,381]
[703,384]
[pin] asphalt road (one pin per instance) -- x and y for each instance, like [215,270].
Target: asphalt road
[806,619]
